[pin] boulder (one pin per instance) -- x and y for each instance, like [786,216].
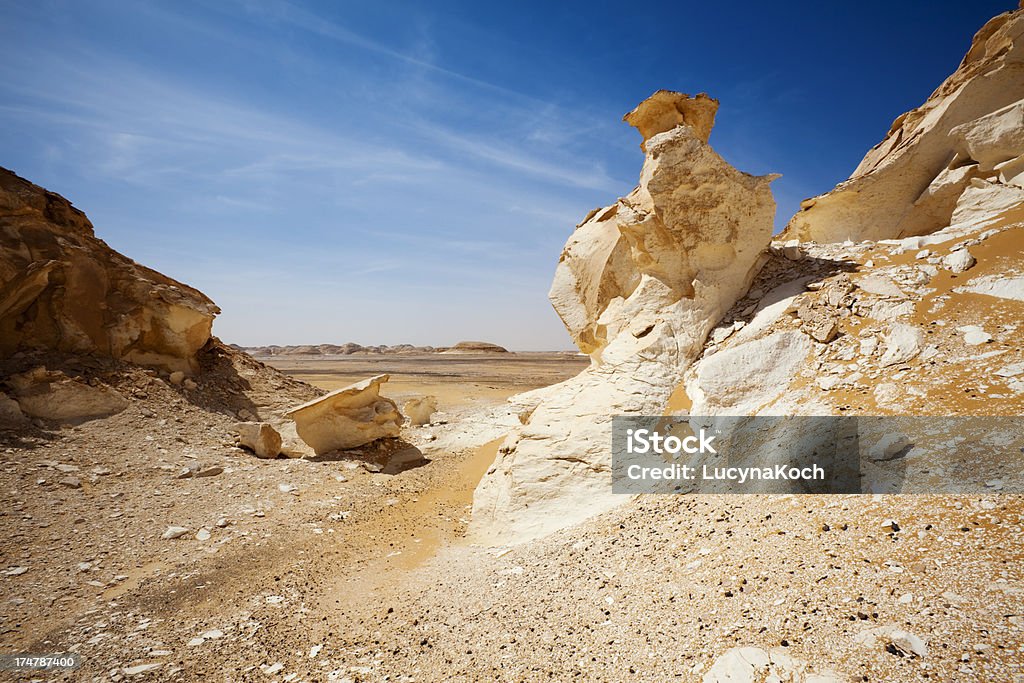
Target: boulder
[52,395]
[639,286]
[912,181]
[901,344]
[259,437]
[347,418]
[10,413]
[958,261]
[420,410]
[63,289]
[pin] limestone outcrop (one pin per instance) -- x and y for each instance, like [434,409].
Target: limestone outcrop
[639,285]
[347,418]
[63,289]
[959,157]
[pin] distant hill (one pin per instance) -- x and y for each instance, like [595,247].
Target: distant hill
[352,348]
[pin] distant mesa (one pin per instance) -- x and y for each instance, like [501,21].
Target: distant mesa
[476,347]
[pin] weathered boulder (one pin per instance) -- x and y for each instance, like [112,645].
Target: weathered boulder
[639,286]
[10,413]
[420,410]
[347,418]
[52,395]
[259,437]
[62,288]
[968,131]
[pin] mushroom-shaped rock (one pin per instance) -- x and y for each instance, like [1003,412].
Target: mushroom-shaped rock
[666,109]
[347,418]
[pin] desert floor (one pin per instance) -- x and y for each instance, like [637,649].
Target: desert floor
[358,569]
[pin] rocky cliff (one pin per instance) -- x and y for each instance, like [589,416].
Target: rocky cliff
[639,284]
[945,162]
[63,289]
[672,293]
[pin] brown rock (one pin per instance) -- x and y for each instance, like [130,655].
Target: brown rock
[62,288]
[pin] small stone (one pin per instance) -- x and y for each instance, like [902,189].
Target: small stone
[70,482]
[213,634]
[173,532]
[287,488]
[195,642]
[974,335]
[210,471]
[140,669]
[203,534]
[14,571]
[271,669]
[792,251]
[221,523]
[177,377]
[888,447]
[190,385]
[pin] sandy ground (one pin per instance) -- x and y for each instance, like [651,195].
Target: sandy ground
[456,380]
[356,569]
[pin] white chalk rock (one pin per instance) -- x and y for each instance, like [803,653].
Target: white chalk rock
[347,418]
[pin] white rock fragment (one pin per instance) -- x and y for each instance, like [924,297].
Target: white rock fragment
[974,335]
[958,261]
[901,344]
[998,286]
[904,641]
[173,532]
[888,447]
[140,669]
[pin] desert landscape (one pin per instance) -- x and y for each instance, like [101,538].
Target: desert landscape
[180,508]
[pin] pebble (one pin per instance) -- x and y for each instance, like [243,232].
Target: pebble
[140,669]
[211,471]
[174,532]
[203,534]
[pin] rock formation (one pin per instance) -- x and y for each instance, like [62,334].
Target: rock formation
[639,285]
[347,418]
[476,347]
[959,157]
[63,289]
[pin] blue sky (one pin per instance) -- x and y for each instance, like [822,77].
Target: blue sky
[396,172]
